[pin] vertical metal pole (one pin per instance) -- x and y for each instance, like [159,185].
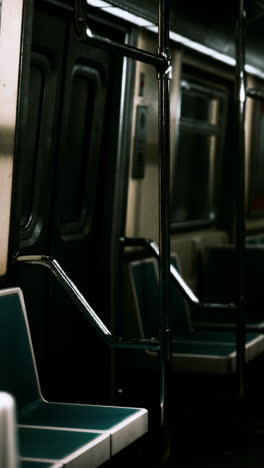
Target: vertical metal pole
[240,102]
[164,210]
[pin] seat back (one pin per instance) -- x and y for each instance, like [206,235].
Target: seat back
[145,284]
[18,374]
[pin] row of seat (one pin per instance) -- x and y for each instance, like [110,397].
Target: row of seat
[60,434]
[192,351]
[56,434]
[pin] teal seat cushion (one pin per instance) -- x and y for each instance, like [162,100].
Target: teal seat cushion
[124,425]
[57,445]
[209,343]
[203,349]
[192,351]
[144,275]
[213,336]
[101,418]
[18,376]
[209,353]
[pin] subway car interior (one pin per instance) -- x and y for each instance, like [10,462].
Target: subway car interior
[131,235]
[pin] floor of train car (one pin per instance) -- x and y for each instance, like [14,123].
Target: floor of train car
[208,426]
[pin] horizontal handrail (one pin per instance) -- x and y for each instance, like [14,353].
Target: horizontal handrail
[88,312]
[158,61]
[183,287]
[255,94]
[190,296]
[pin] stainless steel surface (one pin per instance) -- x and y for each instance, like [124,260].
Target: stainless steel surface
[125,50]
[240,104]
[10,44]
[84,306]
[164,222]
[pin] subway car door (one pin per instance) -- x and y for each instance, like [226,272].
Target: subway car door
[63,198]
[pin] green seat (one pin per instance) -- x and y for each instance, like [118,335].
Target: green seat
[58,446]
[192,351]
[124,425]
[102,430]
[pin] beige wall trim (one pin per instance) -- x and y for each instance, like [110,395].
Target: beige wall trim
[143,194]
[10,44]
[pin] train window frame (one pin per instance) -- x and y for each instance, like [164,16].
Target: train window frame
[214,91]
[255,164]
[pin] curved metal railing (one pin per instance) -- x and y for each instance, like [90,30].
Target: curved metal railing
[185,290]
[86,309]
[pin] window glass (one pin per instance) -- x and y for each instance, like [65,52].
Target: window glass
[256,198]
[194,154]
[195,106]
[200,135]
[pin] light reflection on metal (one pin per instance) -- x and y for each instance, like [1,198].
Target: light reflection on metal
[89,33]
[98,3]
[240,107]
[185,290]
[159,62]
[179,280]
[84,306]
[163,76]
[10,44]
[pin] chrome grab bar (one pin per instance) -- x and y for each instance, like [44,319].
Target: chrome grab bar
[189,294]
[183,286]
[84,33]
[88,312]
[255,94]
[162,62]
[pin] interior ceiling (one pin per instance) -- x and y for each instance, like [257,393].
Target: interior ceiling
[213,27]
